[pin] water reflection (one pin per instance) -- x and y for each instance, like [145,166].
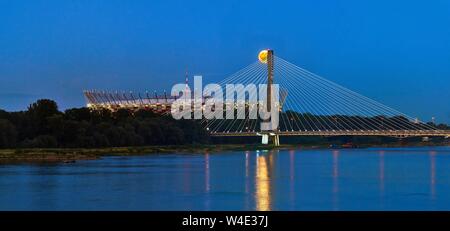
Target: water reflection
[381,171]
[247,180]
[433,174]
[247,163]
[207,180]
[335,179]
[186,177]
[291,165]
[49,185]
[292,177]
[359,179]
[381,177]
[262,183]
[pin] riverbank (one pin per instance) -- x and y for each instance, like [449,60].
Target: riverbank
[69,155]
[73,154]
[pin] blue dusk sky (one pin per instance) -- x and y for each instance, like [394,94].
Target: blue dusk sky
[396,52]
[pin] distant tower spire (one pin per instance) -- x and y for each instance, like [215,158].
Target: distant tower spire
[186,80]
[187,83]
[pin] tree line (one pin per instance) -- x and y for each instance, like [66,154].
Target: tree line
[44,126]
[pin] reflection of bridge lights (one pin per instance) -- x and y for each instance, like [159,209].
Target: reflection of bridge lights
[262,185]
[381,171]
[247,163]
[433,173]
[335,163]
[335,177]
[292,164]
[207,178]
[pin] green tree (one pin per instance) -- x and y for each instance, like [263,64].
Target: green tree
[43,108]
[44,141]
[8,134]
[78,114]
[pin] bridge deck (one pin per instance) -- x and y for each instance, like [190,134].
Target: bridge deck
[399,133]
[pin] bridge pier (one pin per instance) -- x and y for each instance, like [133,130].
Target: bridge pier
[273,137]
[276,140]
[270,138]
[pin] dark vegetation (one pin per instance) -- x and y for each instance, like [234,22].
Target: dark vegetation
[44,126]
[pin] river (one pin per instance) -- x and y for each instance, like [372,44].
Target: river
[341,179]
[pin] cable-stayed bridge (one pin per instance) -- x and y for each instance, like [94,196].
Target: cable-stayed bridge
[309,105]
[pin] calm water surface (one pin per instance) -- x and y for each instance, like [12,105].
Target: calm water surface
[353,179]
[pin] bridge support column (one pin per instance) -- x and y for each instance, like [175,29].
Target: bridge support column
[276,140]
[272,138]
[264,139]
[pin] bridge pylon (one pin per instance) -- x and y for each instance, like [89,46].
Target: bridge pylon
[315,107]
[272,136]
